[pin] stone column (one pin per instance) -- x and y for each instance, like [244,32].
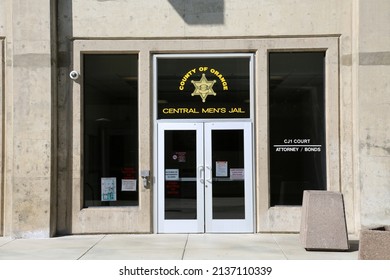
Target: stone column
[1,134]
[30,119]
[374,112]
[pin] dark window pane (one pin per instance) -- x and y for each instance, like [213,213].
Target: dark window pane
[203,87]
[296,125]
[180,174]
[110,130]
[228,193]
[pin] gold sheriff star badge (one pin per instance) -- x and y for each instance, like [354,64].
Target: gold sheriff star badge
[203,88]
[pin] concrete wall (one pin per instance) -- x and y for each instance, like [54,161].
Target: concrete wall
[29,193]
[2,84]
[1,135]
[198,18]
[373,114]
[3,18]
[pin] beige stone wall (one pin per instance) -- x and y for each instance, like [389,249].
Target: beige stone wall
[1,136]
[2,18]
[29,119]
[373,115]
[2,63]
[180,18]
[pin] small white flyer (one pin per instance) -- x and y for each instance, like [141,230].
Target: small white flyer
[237,174]
[221,168]
[129,185]
[108,185]
[171,174]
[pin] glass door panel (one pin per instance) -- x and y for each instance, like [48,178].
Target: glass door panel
[180,189]
[228,174]
[228,187]
[180,175]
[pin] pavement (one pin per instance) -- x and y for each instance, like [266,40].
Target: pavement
[259,246]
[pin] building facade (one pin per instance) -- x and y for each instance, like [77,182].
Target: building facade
[174,116]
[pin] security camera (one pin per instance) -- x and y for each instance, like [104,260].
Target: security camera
[74,75]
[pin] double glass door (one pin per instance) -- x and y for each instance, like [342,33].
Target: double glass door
[204,177]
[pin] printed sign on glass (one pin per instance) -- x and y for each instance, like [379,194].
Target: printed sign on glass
[108,187]
[203,87]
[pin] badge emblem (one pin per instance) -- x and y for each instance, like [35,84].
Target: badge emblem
[203,88]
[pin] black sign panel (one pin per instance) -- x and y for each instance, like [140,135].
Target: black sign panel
[203,87]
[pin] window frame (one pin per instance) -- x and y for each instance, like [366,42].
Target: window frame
[99,219]
[292,214]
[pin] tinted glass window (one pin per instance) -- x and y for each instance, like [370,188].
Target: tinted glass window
[296,125]
[110,130]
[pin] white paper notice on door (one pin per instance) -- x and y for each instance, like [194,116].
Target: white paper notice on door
[108,185]
[221,168]
[129,185]
[237,174]
[171,174]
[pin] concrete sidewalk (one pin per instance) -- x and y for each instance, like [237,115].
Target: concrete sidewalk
[168,247]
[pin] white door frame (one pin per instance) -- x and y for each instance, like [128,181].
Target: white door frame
[184,226]
[204,221]
[229,225]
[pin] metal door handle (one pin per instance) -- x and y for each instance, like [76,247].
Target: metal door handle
[210,179]
[201,174]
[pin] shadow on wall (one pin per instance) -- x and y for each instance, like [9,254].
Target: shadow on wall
[200,11]
[65,119]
